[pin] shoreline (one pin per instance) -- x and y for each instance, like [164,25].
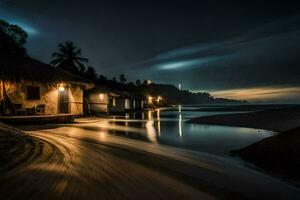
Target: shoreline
[278,155]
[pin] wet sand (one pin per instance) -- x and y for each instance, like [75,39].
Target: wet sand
[79,161]
[279,154]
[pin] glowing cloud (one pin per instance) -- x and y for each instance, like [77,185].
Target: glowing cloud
[260,93]
[186,64]
[29,29]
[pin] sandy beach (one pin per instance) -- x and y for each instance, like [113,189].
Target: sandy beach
[74,162]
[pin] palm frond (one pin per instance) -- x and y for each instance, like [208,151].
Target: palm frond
[80,66]
[56,61]
[81,59]
[58,55]
[62,48]
[78,52]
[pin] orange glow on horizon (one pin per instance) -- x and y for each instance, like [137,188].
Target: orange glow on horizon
[259,93]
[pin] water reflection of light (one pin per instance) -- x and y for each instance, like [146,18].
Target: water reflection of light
[179,126]
[102,135]
[149,115]
[151,132]
[158,121]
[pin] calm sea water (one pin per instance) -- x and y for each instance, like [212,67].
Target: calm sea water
[169,127]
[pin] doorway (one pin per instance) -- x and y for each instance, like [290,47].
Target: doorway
[64,98]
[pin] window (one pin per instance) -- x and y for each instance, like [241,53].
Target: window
[127,104]
[33,93]
[112,102]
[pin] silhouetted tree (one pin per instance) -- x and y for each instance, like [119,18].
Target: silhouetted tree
[130,84]
[114,79]
[69,58]
[91,73]
[12,38]
[138,82]
[14,31]
[11,48]
[102,78]
[145,82]
[122,78]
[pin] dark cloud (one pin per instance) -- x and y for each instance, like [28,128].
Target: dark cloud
[209,45]
[265,56]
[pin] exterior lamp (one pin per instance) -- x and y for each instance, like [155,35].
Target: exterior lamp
[179,86]
[61,88]
[158,99]
[101,97]
[150,99]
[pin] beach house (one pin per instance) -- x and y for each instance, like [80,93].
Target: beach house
[30,87]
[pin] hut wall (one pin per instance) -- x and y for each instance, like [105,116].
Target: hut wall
[76,100]
[98,102]
[18,95]
[1,90]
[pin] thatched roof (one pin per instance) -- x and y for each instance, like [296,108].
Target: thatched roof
[28,69]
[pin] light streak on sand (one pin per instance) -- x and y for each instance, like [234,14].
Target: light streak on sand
[84,161]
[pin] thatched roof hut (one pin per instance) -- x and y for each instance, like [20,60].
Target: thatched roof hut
[29,69]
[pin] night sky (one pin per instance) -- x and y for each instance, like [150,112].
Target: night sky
[236,49]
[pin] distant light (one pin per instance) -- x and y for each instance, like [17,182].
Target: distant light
[179,86]
[149,82]
[150,99]
[101,96]
[158,99]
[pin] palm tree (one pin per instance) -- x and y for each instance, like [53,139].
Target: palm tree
[69,58]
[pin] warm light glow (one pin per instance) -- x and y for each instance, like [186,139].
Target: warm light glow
[150,99]
[101,97]
[260,93]
[158,99]
[61,88]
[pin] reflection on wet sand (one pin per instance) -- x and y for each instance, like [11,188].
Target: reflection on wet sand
[89,160]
